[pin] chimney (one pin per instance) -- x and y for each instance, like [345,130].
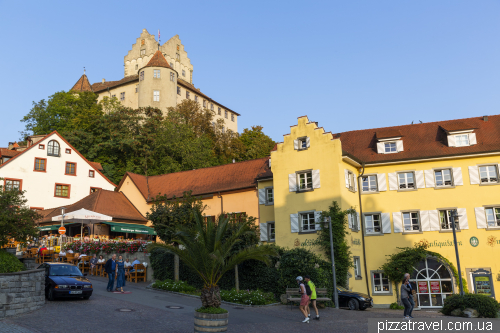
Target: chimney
[234,161]
[103,80]
[485,118]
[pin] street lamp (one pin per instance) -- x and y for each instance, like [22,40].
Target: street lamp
[328,224]
[454,219]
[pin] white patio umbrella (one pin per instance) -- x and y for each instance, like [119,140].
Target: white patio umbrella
[83,216]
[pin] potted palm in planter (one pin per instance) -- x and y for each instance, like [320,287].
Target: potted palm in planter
[210,252]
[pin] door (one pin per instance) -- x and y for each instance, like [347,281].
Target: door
[432,283]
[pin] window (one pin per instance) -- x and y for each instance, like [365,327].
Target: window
[94,189]
[443,177]
[13,184]
[70,169]
[156,96]
[172,77]
[302,143]
[390,147]
[232,116]
[172,64]
[357,267]
[178,91]
[156,73]
[380,283]
[305,180]
[488,174]
[271,235]
[493,217]
[195,98]
[204,103]
[53,148]
[91,173]
[406,180]
[351,181]
[183,73]
[353,221]
[143,51]
[40,164]
[41,146]
[225,114]
[141,76]
[369,183]
[177,56]
[219,111]
[308,224]
[269,195]
[113,96]
[446,219]
[372,224]
[122,96]
[136,88]
[461,140]
[36,209]
[212,106]
[187,94]
[411,222]
[62,190]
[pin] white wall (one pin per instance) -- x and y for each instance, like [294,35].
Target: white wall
[40,186]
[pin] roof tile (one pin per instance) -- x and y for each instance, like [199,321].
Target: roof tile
[82,84]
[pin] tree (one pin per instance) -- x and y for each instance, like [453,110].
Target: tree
[17,221]
[207,253]
[341,248]
[257,144]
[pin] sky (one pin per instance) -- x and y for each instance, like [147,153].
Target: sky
[346,64]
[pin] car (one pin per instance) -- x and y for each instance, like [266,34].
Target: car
[65,280]
[353,300]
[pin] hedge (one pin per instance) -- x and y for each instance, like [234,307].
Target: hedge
[9,263]
[486,307]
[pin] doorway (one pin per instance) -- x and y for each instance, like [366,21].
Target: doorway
[432,282]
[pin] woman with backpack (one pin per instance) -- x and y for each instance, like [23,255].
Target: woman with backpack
[304,299]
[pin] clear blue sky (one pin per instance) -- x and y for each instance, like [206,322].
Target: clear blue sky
[346,64]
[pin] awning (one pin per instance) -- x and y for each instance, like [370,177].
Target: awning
[83,216]
[131,228]
[52,227]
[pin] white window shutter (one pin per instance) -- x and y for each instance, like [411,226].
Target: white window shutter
[393,181]
[397,221]
[474,175]
[472,139]
[480,217]
[457,176]
[380,148]
[292,182]
[434,220]
[296,144]
[399,145]
[294,222]
[317,218]
[429,178]
[262,196]
[419,175]
[424,220]
[346,174]
[382,182]
[356,182]
[263,232]
[349,220]
[358,224]
[451,141]
[315,178]
[462,220]
[308,142]
[386,223]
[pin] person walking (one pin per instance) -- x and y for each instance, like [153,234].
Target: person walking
[412,301]
[405,295]
[313,296]
[110,268]
[304,299]
[120,274]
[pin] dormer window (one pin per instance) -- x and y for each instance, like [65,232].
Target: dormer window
[460,134]
[53,148]
[389,141]
[302,143]
[390,147]
[462,140]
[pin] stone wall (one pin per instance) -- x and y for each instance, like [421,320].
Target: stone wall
[141,256]
[21,292]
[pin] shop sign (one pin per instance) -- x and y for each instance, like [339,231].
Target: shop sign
[435,287]
[439,243]
[422,287]
[355,241]
[482,285]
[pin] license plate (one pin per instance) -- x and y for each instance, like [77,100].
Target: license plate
[75,292]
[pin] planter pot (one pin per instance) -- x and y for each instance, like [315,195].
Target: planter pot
[12,250]
[207,322]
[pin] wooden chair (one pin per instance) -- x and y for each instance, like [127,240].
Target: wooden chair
[84,264]
[33,253]
[46,256]
[139,273]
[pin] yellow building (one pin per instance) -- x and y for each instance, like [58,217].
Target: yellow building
[405,183]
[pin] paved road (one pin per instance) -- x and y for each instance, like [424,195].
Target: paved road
[101,313]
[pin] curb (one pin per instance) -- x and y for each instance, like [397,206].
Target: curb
[223,302]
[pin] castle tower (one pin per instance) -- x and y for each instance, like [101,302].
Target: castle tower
[157,84]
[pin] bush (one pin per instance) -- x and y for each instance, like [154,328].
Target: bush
[247,297]
[396,306]
[211,310]
[179,286]
[487,307]
[9,263]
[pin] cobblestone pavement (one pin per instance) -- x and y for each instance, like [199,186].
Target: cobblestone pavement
[149,314]
[6,327]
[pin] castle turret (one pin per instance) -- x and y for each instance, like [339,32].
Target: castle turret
[157,84]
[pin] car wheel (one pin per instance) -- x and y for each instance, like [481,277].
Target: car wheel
[50,294]
[353,304]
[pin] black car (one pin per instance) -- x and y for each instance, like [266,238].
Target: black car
[65,280]
[353,300]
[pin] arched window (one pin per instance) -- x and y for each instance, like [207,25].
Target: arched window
[53,148]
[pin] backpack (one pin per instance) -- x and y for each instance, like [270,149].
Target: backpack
[308,289]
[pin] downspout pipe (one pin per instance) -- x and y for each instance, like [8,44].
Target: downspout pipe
[362,220]
[221,203]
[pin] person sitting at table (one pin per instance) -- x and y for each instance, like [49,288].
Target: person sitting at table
[42,248]
[127,263]
[62,253]
[70,251]
[93,262]
[101,260]
[135,262]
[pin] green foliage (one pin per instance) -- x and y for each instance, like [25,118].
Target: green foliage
[211,310]
[396,306]
[340,246]
[247,297]
[9,263]
[17,221]
[179,286]
[487,307]
[256,143]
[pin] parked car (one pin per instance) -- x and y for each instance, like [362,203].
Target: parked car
[353,300]
[65,280]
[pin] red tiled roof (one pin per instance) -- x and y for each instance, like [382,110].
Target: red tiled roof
[114,204]
[158,60]
[421,141]
[82,84]
[222,178]
[99,86]
[457,126]
[388,133]
[9,153]
[96,165]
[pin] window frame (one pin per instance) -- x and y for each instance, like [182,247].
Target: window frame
[373,214]
[205,103]
[58,149]
[488,176]
[442,175]
[93,173]
[141,75]
[15,180]
[41,146]
[301,222]
[466,135]
[368,176]
[172,77]
[390,143]
[219,111]
[447,212]
[187,94]
[211,106]
[156,74]
[271,225]
[351,178]
[179,92]
[380,278]
[136,88]
[67,151]
[271,189]
[45,164]
[298,173]
[60,184]
[302,142]
[406,179]
[357,267]
[494,208]
[225,114]
[403,212]
[156,95]
[232,116]
[122,96]
[183,73]
[196,98]
[66,168]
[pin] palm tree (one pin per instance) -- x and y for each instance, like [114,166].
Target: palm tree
[208,249]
